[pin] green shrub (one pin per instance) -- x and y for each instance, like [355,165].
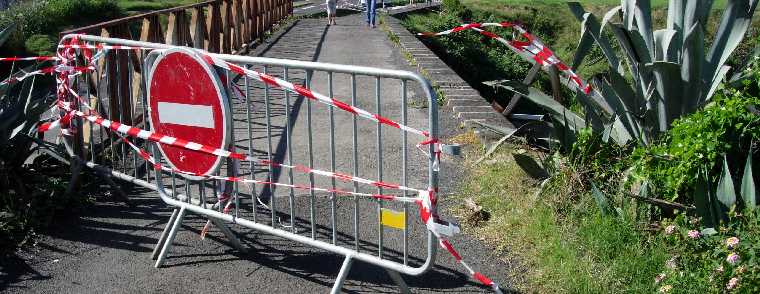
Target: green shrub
[726,126]
[50,17]
[719,261]
[42,45]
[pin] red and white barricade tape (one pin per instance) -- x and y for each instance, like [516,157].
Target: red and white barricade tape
[35,58]
[532,50]
[275,82]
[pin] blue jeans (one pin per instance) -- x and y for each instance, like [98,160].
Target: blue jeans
[371,11]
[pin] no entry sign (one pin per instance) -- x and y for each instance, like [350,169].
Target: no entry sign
[187,101]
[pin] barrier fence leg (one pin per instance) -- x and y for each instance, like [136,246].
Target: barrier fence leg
[162,238]
[230,235]
[396,277]
[170,238]
[342,274]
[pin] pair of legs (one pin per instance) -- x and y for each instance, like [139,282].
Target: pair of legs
[331,12]
[371,13]
[331,19]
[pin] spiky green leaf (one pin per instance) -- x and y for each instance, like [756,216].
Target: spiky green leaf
[665,49]
[736,19]
[601,200]
[590,25]
[726,194]
[748,190]
[691,69]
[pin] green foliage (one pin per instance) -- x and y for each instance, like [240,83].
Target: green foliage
[41,45]
[700,140]
[706,261]
[655,76]
[466,51]
[50,17]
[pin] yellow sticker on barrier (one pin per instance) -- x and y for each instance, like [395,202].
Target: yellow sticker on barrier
[392,218]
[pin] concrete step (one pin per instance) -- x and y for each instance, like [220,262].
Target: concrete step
[453,102]
[462,92]
[471,108]
[487,115]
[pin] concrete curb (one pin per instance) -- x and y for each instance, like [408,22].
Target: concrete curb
[465,103]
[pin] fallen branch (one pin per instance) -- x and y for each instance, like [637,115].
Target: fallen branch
[662,203]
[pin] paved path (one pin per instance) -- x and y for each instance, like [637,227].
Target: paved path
[107,249]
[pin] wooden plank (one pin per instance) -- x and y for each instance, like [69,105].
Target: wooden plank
[225,33]
[198,28]
[247,31]
[237,24]
[178,29]
[256,17]
[151,29]
[172,29]
[214,25]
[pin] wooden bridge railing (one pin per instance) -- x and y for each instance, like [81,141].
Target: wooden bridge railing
[219,26]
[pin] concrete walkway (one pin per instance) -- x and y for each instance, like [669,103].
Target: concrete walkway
[107,249]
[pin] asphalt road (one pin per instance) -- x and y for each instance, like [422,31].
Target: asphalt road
[107,248]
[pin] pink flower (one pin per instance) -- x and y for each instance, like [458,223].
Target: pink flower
[732,258]
[731,242]
[670,229]
[694,234]
[732,283]
[659,278]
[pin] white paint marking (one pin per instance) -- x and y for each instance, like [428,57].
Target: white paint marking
[191,115]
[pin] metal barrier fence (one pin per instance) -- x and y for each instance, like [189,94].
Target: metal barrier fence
[302,179]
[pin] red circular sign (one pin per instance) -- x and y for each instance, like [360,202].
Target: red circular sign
[187,101]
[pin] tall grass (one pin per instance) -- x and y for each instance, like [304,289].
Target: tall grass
[566,244]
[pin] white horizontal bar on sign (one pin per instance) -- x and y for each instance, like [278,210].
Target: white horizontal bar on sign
[191,115]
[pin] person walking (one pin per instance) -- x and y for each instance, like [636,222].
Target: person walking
[371,13]
[331,11]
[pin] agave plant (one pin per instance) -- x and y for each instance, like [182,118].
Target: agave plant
[713,201]
[654,76]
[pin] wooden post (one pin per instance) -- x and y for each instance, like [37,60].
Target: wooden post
[172,28]
[178,29]
[247,32]
[238,24]
[226,17]
[214,26]
[151,30]
[198,29]
[257,17]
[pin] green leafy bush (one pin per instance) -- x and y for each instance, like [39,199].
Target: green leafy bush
[50,17]
[42,45]
[712,261]
[698,141]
